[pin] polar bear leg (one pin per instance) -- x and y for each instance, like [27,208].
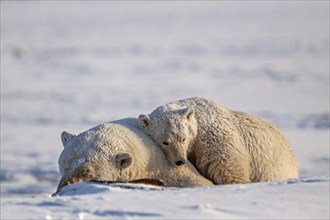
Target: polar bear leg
[231,170]
[225,168]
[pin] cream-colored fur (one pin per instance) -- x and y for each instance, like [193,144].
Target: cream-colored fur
[120,151]
[225,146]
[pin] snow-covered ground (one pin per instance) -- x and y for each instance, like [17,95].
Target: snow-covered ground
[70,65]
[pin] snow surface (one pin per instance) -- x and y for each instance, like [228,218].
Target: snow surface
[72,65]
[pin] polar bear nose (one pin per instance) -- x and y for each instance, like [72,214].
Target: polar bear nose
[180,162]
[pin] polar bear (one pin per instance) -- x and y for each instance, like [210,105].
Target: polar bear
[225,146]
[120,151]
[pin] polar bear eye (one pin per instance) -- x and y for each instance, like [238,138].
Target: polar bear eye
[183,139]
[165,143]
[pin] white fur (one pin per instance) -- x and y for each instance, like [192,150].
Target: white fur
[120,151]
[226,146]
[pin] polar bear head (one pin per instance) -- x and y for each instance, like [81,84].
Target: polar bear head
[120,151]
[98,154]
[174,130]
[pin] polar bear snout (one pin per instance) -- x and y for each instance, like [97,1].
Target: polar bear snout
[176,156]
[180,162]
[68,181]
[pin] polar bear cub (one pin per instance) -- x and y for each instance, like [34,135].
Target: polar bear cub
[226,146]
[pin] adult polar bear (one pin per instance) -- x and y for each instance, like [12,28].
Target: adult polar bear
[226,146]
[120,151]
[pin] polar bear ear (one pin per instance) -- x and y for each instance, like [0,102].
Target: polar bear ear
[144,120]
[124,160]
[188,113]
[66,136]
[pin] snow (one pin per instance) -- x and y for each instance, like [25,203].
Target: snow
[75,64]
[280,200]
